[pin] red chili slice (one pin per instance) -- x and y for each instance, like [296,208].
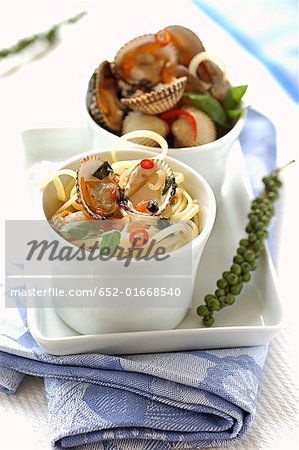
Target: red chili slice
[170,116]
[138,238]
[147,163]
[163,37]
[142,206]
[116,178]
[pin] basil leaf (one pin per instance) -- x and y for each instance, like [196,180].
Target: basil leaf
[163,222]
[103,171]
[169,181]
[234,113]
[233,96]
[82,229]
[110,240]
[208,105]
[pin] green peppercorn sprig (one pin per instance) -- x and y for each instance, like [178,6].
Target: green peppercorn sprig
[50,36]
[248,252]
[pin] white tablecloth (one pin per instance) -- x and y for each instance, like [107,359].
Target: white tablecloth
[50,92]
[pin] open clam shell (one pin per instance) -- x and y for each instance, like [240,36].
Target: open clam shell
[102,98]
[91,100]
[139,121]
[149,188]
[97,189]
[184,133]
[157,101]
[145,60]
[186,42]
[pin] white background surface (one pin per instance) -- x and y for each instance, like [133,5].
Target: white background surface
[50,92]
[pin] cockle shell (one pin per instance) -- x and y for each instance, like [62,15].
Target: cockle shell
[145,60]
[99,198]
[157,101]
[139,121]
[140,184]
[91,101]
[186,42]
[184,133]
[102,98]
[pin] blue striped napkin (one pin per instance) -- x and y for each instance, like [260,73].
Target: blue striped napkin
[155,401]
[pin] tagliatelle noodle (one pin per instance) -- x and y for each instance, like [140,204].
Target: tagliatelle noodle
[142,133]
[184,209]
[194,227]
[67,204]
[52,176]
[179,202]
[162,234]
[75,204]
[205,56]
[191,213]
[59,189]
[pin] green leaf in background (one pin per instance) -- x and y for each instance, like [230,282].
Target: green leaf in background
[233,97]
[50,36]
[110,240]
[209,105]
[82,229]
[234,113]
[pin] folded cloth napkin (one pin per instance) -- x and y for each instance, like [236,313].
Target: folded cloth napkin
[156,401]
[146,402]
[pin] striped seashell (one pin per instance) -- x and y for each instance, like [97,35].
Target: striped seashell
[91,101]
[157,101]
[102,98]
[143,59]
[98,197]
[186,42]
[183,131]
[139,121]
[154,186]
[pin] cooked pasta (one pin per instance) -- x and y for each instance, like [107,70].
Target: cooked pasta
[180,212]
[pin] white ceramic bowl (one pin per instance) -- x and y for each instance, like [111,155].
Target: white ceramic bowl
[209,159]
[144,313]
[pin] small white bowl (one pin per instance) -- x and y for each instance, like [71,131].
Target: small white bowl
[129,314]
[209,160]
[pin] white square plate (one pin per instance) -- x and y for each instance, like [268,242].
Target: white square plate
[253,320]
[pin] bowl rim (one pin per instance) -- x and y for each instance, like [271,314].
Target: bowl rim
[210,217]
